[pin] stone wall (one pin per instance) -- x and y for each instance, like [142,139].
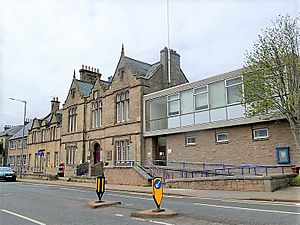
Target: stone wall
[258,184]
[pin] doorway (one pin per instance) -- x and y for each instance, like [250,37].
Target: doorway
[160,155]
[96,154]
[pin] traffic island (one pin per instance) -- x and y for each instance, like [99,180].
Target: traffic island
[153,213]
[99,204]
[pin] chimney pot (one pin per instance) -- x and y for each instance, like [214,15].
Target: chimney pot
[82,66]
[97,70]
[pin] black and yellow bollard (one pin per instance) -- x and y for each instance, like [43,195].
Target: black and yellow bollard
[100,187]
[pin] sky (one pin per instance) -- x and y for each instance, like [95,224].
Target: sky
[42,42]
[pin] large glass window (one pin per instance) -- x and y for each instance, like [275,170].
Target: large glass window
[217,94]
[97,113]
[173,104]
[233,90]
[201,98]
[158,113]
[72,119]
[122,150]
[123,107]
[186,102]
[70,155]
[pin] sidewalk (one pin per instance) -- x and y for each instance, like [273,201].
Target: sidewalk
[288,194]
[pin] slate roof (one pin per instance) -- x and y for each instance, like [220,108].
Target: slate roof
[20,132]
[11,131]
[141,68]
[84,87]
[152,70]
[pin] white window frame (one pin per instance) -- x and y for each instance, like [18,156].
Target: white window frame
[188,142]
[122,106]
[201,93]
[12,144]
[232,85]
[96,114]
[72,119]
[169,100]
[219,134]
[260,137]
[20,143]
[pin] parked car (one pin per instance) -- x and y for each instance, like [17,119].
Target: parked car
[7,174]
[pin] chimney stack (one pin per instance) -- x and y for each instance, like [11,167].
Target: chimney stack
[54,104]
[89,74]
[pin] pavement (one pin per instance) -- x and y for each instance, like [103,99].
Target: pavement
[288,194]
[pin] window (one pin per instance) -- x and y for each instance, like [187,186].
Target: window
[72,119]
[190,140]
[52,133]
[73,93]
[29,160]
[222,137]
[173,104]
[121,73]
[201,98]
[97,114]
[56,161]
[12,144]
[70,156]
[43,135]
[260,133]
[123,107]
[233,89]
[11,160]
[36,160]
[25,143]
[217,94]
[18,161]
[48,159]
[24,159]
[95,95]
[122,150]
[186,102]
[19,143]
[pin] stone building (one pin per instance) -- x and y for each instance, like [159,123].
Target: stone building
[102,120]
[16,145]
[5,135]
[44,142]
[204,121]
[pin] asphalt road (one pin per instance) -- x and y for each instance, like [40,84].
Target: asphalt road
[24,203]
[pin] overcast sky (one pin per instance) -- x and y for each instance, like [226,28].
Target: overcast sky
[42,42]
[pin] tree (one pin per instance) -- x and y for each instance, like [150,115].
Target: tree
[272,74]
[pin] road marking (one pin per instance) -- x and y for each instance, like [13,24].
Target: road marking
[23,217]
[127,204]
[139,219]
[250,209]
[123,196]
[159,222]
[71,189]
[120,215]
[252,202]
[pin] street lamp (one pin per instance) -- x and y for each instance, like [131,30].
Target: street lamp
[23,140]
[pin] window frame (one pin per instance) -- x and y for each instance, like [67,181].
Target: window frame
[170,100]
[222,141]
[189,137]
[201,93]
[260,137]
[227,86]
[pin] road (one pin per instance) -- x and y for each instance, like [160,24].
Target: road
[24,203]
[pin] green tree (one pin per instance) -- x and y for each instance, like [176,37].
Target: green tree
[272,74]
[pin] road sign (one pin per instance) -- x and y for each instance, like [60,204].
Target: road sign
[157,191]
[100,186]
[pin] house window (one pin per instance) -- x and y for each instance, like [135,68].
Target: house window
[190,140]
[72,93]
[12,160]
[52,133]
[221,137]
[18,162]
[95,94]
[201,98]
[72,119]
[186,101]
[173,104]
[97,113]
[121,73]
[56,161]
[122,150]
[36,160]
[70,156]
[25,143]
[48,159]
[260,133]
[24,159]
[123,107]
[43,135]
[19,143]
[217,95]
[29,160]
[233,90]
[12,144]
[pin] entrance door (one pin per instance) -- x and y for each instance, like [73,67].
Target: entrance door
[160,151]
[96,153]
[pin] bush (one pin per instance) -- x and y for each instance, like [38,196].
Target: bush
[295,181]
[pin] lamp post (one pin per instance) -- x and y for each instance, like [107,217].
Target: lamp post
[24,121]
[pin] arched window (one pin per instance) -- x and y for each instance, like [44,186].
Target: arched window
[122,107]
[97,114]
